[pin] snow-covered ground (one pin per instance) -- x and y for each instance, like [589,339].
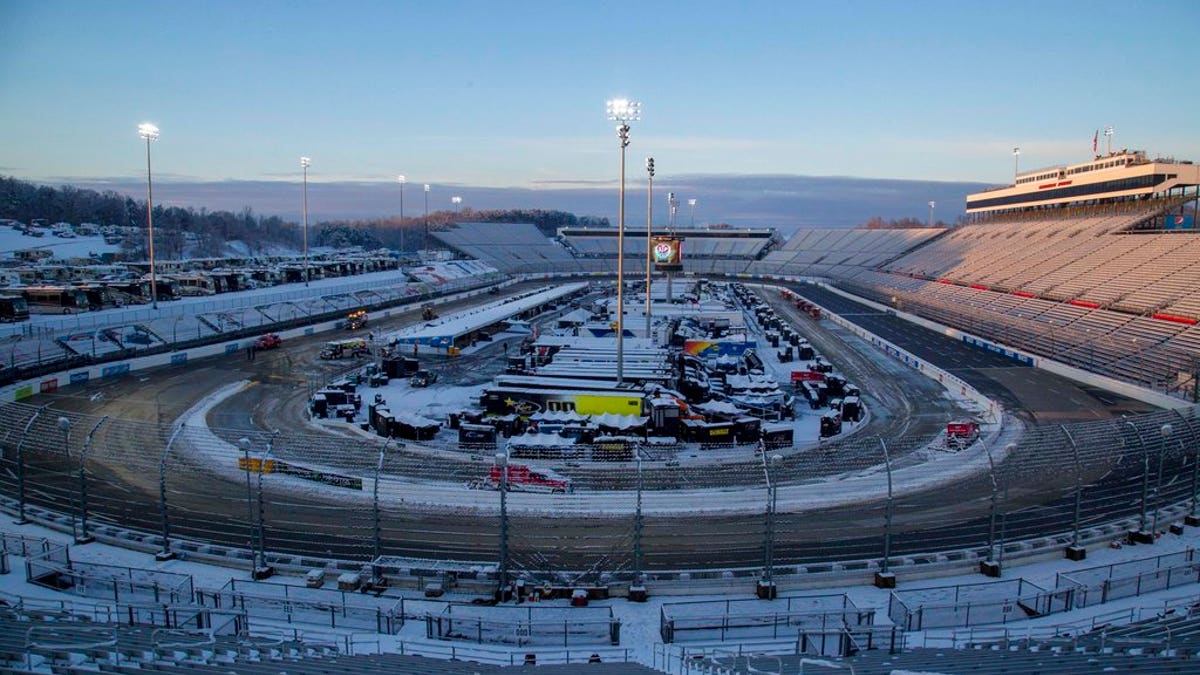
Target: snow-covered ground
[61,249]
[639,621]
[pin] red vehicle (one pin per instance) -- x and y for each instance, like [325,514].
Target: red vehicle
[268,341]
[523,478]
[962,433]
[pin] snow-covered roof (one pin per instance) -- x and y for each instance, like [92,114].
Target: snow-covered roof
[441,332]
[616,421]
[541,440]
[557,416]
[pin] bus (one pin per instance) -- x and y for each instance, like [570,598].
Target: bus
[137,292]
[55,299]
[13,308]
[99,296]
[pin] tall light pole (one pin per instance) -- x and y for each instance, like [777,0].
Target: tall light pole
[83,537]
[149,132]
[1143,536]
[885,578]
[931,205]
[637,537]
[649,244]
[304,164]
[1165,431]
[425,238]
[502,582]
[1075,551]
[376,568]
[671,228]
[244,444]
[166,553]
[21,520]
[402,181]
[457,202]
[1016,164]
[766,585]
[264,570]
[624,111]
[991,567]
[64,425]
[692,206]
[1108,134]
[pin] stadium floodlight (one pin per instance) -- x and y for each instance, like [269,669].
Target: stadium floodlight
[624,111]
[149,132]
[425,239]
[692,206]
[402,180]
[649,246]
[1016,163]
[457,202]
[1108,134]
[305,162]
[931,205]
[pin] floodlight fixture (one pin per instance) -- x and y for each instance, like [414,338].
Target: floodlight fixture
[624,110]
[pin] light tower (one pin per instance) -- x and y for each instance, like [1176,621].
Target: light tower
[402,181]
[623,111]
[150,133]
[425,237]
[304,164]
[692,206]
[1108,134]
[931,205]
[1016,164]
[649,244]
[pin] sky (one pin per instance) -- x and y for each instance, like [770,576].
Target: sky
[511,95]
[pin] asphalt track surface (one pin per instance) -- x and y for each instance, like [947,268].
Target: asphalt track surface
[315,526]
[1030,393]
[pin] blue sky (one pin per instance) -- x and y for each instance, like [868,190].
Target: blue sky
[511,94]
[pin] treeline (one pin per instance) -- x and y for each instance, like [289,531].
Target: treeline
[189,232]
[177,231]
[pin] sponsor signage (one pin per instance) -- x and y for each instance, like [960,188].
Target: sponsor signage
[807,376]
[668,254]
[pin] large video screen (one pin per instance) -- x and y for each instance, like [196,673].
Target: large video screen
[668,254]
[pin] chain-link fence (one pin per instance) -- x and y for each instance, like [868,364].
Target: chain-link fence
[705,514]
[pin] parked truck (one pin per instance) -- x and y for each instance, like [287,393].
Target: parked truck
[522,478]
[339,349]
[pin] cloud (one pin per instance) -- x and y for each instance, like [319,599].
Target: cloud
[784,201]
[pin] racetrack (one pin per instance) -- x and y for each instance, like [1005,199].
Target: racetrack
[205,503]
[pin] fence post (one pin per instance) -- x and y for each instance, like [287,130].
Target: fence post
[21,519]
[84,537]
[165,553]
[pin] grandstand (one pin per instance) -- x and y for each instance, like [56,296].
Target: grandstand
[512,248]
[822,252]
[1100,281]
